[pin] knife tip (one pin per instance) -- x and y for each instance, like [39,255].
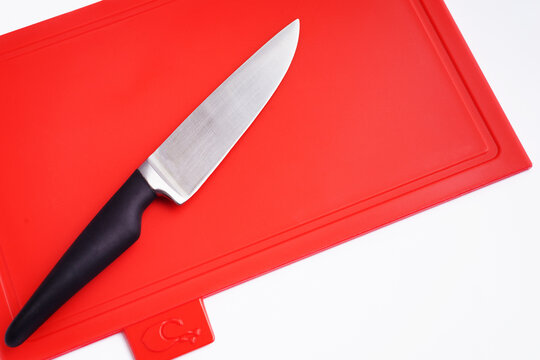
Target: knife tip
[293,29]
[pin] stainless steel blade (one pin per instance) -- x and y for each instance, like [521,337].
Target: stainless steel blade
[189,155]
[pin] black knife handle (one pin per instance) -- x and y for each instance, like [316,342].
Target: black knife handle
[115,228]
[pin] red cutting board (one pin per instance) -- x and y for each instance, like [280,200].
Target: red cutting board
[383,113]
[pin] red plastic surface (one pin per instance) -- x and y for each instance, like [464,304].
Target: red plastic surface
[383,113]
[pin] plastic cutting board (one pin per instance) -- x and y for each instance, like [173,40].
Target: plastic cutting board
[383,113]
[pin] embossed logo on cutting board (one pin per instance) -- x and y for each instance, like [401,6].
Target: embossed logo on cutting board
[164,335]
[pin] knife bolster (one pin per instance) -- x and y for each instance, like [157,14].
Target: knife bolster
[160,185]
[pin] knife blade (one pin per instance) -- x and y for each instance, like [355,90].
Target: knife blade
[176,169]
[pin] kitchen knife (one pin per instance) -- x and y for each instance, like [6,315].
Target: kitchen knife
[177,169]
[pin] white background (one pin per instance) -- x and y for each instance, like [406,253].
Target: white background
[460,281]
